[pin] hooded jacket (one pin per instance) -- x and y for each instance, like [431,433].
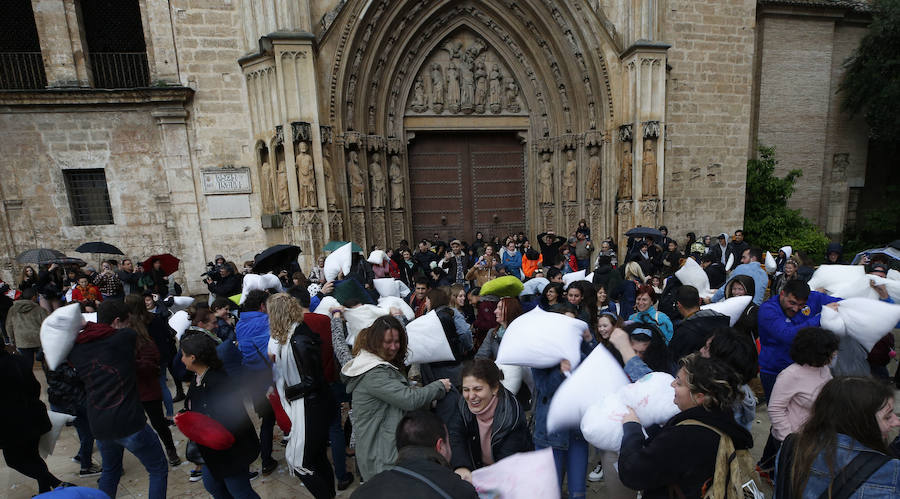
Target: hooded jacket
[760,280]
[509,432]
[253,339]
[381,395]
[23,323]
[834,248]
[692,333]
[682,456]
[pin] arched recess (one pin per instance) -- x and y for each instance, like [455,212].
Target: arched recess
[558,52]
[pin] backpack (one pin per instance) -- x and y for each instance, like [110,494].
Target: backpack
[735,476]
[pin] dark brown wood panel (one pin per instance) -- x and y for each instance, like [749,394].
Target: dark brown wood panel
[465,182]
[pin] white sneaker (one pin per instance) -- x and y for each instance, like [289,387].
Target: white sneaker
[597,474]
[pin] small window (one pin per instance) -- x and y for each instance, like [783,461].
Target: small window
[88,197]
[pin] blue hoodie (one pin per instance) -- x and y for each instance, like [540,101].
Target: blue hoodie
[253,339]
[777,330]
[755,271]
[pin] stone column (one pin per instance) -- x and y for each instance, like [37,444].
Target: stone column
[158,37]
[61,46]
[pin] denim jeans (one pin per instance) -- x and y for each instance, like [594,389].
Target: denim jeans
[145,446]
[166,394]
[768,382]
[85,435]
[237,486]
[336,433]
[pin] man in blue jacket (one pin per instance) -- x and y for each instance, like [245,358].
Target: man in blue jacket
[749,266]
[780,317]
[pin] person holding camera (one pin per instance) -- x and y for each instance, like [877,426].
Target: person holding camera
[227,284]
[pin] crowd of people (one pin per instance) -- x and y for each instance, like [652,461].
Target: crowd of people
[425,428]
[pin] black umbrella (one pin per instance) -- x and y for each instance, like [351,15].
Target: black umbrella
[68,260]
[644,232]
[99,247]
[39,255]
[276,257]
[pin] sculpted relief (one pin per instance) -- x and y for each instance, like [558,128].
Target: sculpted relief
[463,75]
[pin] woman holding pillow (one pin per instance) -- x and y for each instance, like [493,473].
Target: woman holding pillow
[647,313]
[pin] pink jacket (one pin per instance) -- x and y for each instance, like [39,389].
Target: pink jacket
[796,388]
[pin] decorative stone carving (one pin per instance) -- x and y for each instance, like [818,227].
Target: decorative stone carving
[419,104]
[594,173]
[623,208]
[452,88]
[306,177]
[545,179]
[648,167]
[376,175]
[626,133]
[512,97]
[266,175]
[467,88]
[396,175]
[480,86]
[625,174]
[284,203]
[570,177]
[357,183]
[328,171]
[437,88]
[496,84]
[651,129]
[650,206]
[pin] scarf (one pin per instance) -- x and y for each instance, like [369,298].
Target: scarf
[485,419]
[286,374]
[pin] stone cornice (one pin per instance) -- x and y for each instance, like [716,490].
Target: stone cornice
[96,96]
[645,46]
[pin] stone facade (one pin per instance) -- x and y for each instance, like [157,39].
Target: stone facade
[332,93]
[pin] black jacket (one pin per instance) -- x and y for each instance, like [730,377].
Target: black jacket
[716,274]
[736,249]
[391,484]
[682,456]
[24,417]
[607,276]
[229,285]
[509,432]
[550,251]
[307,346]
[217,398]
[692,333]
[450,266]
[65,390]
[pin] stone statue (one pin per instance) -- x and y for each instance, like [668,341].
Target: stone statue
[284,203]
[625,176]
[418,104]
[648,165]
[306,177]
[480,86]
[266,177]
[594,173]
[545,178]
[396,175]
[357,184]
[467,89]
[496,82]
[453,88]
[327,170]
[454,48]
[570,177]
[437,88]
[512,94]
[377,179]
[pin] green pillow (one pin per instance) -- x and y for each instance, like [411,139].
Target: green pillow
[503,287]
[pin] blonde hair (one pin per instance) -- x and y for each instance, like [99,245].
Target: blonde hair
[633,271]
[284,310]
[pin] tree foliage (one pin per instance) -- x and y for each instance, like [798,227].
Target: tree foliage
[871,83]
[768,222]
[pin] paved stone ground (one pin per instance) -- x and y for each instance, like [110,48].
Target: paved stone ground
[14,485]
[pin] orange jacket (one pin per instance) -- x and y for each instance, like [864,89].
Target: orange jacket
[529,266]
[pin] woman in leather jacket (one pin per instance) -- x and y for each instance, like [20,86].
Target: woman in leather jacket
[298,359]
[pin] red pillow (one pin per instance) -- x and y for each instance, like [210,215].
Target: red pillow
[281,417]
[204,430]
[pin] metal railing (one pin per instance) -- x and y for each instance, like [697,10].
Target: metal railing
[120,69]
[22,70]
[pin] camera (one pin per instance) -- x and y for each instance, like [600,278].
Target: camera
[212,271]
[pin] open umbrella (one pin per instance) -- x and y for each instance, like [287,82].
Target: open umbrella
[38,255]
[168,263]
[333,245]
[274,258]
[99,247]
[68,260]
[644,232]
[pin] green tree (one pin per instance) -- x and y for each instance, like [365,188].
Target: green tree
[768,222]
[871,83]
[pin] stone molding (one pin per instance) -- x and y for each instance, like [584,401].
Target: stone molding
[96,96]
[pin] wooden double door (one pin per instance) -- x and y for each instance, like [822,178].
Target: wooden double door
[461,183]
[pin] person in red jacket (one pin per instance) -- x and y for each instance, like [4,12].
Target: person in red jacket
[87,294]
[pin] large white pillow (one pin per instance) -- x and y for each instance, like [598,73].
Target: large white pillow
[181,303]
[524,475]
[377,257]
[732,307]
[359,318]
[325,305]
[572,277]
[596,377]
[48,440]
[270,281]
[427,341]
[691,274]
[387,286]
[730,262]
[179,322]
[863,319]
[251,282]
[542,339]
[512,377]
[771,266]
[386,302]
[58,332]
[602,423]
[893,275]
[90,317]
[404,289]
[845,281]
[534,286]
[892,286]
[338,261]
[652,398]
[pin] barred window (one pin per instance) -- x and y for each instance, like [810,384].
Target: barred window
[21,64]
[88,197]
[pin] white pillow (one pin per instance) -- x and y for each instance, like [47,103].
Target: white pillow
[90,317]
[572,277]
[377,257]
[892,286]
[386,302]
[359,318]
[652,398]
[387,286]
[179,322]
[270,281]
[251,282]
[771,266]
[534,286]
[691,274]
[520,476]
[404,289]
[58,332]
[596,377]
[48,440]
[730,262]
[893,275]
[732,307]
[512,377]
[427,341]
[181,303]
[589,277]
[845,281]
[864,320]
[602,423]
[325,305]
[338,261]
[542,339]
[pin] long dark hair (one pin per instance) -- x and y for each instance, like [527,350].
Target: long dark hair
[846,405]
[559,294]
[588,302]
[202,346]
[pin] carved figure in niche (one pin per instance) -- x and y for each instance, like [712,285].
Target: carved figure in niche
[377,185]
[452,88]
[512,94]
[418,104]
[594,172]
[306,177]
[480,86]
[396,175]
[437,88]
[284,203]
[570,177]
[545,178]
[648,165]
[357,184]
[265,181]
[467,90]
[496,82]
[330,195]
[625,176]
